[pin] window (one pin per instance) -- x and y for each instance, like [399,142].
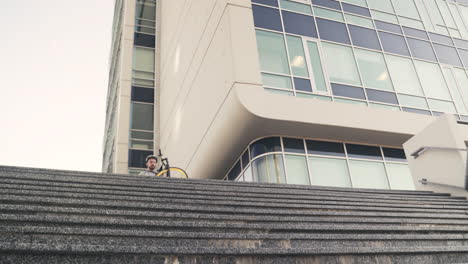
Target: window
[393,43]
[297,171]
[367,174]
[136,158]
[294,6]
[272,52]
[388,27]
[302,84]
[406,8]
[383,97]
[399,177]
[447,54]
[333,31]
[373,70]
[457,90]
[142,116]
[348,91]
[403,75]
[269,169]
[340,64]
[142,94]
[356,10]
[327,13]
[297,57]
[413,101]
[421,49]
[293,145]
[143,67]
[383,5]
[265,145]
[266,2]
[325,148]
[415,33]
[327,3]
[276,81]
[364,37]
[363,152]
[432,80]
[336,171]
[299,24]
[145,17]
[268,18]
[316,65]
[360,21]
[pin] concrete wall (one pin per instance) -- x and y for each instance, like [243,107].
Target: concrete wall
[444,170]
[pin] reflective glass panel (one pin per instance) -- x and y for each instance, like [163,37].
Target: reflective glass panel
[421,49]
[278,81]
[348,91]
[415,33]
[327,13]
[299,24]
[356,10]
[393,43]
[403,75]
[380,96]
[327,3]
[348,101]
[294,6]
[332,30]
[356,2]
[297,171]
[325,148]
[265,17]
[302,85]
[373,69]
[447,54]
[363,152]
[462,79]
[142,116]
[269,169]
[316,64]
[367,174]
[456,90]
[384,5]
[364,37]
[406,8]
[441,39]
[265,145]
[245,158]
[413,101]
[360,21]
[432,80]
[248,177]
[441,106]
[340,64]
[329,172]
[399,177]
[297,56]
[266,2]
[143,59]
[235,171]
[142,94]
[464,56]
[416,111]
[272,52]
[388,27]
[393,154]
[294,145]
[384,17]
[461,43]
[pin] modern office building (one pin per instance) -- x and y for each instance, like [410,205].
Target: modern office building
[319,92]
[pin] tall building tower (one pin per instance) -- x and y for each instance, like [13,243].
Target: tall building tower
[320,92]
[129,130]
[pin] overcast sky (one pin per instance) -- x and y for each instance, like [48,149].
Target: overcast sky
[53,82]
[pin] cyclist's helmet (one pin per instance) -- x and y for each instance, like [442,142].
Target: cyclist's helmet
[151,157]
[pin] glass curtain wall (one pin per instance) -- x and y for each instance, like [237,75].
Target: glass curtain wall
[322,163]
[402,55]
[143,85]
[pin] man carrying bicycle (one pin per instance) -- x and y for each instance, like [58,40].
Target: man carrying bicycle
[151,162]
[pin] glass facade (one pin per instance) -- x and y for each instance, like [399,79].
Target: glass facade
[141,134]
[322,163]
[403,55]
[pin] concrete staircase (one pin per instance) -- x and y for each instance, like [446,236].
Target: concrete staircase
[50,216]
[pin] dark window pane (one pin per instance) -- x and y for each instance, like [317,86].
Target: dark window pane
[421,49]
[447,54]
[461,43]
[302,84]
[265,17]
[245,159]
[327,3]
[441,39]
[415,33]
[464,56]
[136,158]
[299,24]
[325,148]
[356,10]
[363,152]
[364,37]
[235,171]
[388,27]
[265,145]
[417,111]
[293,145]
[393,154]
[141,94]
[266,2]
[144,40]
[333,31]
[348,91]
[393,43]
[380,96]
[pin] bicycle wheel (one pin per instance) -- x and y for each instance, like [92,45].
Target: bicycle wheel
[175,173]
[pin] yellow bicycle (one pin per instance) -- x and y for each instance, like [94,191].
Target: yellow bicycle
[167,171]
